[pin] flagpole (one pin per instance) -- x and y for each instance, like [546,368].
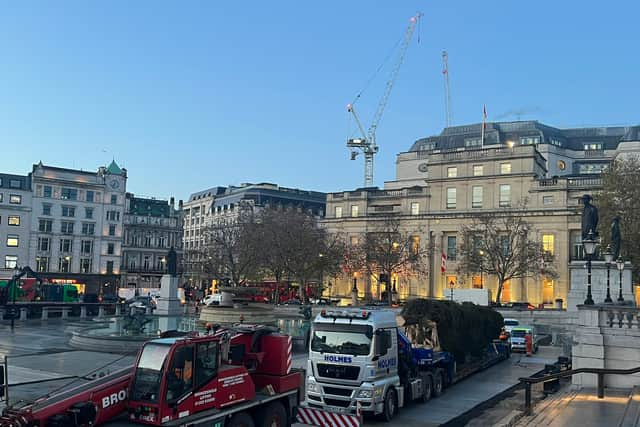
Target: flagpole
[484,118]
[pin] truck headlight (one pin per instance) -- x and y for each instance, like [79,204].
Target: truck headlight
[377,392]
[365,394]
[312,387]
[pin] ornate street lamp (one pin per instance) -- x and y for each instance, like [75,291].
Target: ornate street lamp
[589,244]
[608,258]
[620,265]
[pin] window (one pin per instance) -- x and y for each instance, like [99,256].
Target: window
[530,140]
[354,210]
[478,170]
[10,261]
[547,291]
[114,199]
[88,228]
[547,244]
[451,198]
[338,211]
[452,172]
[109,267]
[46,209]
[206,363]
[89,196]
[112,229]
[85,265]
[13,240]
[473,142]
[113,216]
[556,142]
[42,264]
[592,168]
[547,200]
[505,195]
[44,244]
[66,245]
[354,240]
[14,183]
[14,220]
[451,248]
[66,227]
[415,245]
[1,197]
[505,168]
[69,194]
[15,199]
[110,248]
[451,281]
[88,213]
[476,201]
[505,245]
[593,146]
[147,262]
[47,191]
[476,281]
[415,208]
[45,225]
[86,246]
[69,211]
[64,264]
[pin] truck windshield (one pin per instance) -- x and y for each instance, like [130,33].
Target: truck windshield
[342,339]
[146,384]
[519,333]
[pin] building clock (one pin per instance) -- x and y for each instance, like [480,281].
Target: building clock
[423,167]
[115,184]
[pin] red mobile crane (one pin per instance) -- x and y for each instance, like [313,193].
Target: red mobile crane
[236,377]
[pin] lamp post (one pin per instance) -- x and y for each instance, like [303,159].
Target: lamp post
[451,285]
[608,258]
[620,265]
[354,290]
[589,244]
[481,252]
[14,291]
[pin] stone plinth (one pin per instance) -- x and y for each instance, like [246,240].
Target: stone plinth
[578,290]
[607,337]
[168,303]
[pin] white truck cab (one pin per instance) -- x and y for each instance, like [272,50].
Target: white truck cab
[353,362]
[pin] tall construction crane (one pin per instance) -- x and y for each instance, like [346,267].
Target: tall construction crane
[447,88]
[367,141]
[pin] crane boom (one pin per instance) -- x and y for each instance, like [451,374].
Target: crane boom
[367,143]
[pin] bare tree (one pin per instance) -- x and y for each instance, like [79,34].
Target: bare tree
[230,249]
[389,249]
[620,196]
[502,245]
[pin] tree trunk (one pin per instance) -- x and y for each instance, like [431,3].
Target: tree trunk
[499,292]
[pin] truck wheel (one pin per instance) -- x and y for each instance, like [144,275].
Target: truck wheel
[241,419]
[273,415]
[390,405]
[438,383]
[427,388]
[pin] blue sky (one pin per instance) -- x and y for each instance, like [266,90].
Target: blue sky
[190,95]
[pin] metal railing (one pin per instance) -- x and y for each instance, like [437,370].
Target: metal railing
[600,372]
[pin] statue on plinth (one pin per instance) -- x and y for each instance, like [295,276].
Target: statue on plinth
[172,262]
[616,237]
[589,218]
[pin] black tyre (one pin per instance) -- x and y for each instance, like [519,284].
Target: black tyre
[273,415]
[427,393]
[241,419]
[390,405]
[438,382]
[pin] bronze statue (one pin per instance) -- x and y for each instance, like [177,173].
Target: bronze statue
[172,262]
[615,237]
[589,218]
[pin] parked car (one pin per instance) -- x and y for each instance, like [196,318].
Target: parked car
[212,299]
[142,302]
[292,301]
[320,301]
[518,342]
[111,299]
[509,324]
[522,306]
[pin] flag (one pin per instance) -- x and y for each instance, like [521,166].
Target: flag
[443,265]
[484,123]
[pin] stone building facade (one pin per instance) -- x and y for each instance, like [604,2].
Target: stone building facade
[15,222]
[77,226]
[443,181]
[151,228]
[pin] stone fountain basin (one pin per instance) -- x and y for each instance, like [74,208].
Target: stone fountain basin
[239,313]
